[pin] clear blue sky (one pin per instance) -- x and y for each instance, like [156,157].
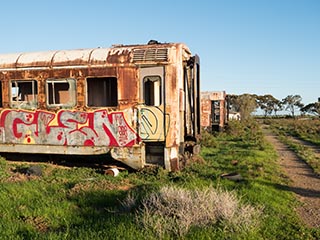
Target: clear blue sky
[245,46]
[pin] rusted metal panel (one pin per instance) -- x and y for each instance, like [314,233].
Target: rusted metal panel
[205,113]
[46,149]
[119,55]
[172,106]
[213,96]
[102,71]
[128,87]
[132,156]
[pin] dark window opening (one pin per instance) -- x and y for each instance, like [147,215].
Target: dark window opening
[215,111]
[61,92]
[102,92]
[24,94]
[152,90]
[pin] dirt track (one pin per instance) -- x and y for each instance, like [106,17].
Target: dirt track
[303,181]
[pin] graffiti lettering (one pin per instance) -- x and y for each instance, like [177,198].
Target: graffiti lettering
[68,128]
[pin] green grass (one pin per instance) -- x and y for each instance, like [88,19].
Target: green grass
[81,203]
[305,153]
[308,130]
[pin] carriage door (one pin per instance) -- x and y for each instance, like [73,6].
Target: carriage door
[151,113]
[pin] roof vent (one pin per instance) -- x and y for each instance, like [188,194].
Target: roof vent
[150,54]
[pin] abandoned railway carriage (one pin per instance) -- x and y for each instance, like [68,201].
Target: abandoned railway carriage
[141,103]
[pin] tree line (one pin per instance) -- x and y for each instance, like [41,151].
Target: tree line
[246,104]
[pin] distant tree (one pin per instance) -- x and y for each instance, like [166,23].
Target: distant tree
[268,104]
[291,102]
[245,104]
[312,108]
[277,106]
[233,104]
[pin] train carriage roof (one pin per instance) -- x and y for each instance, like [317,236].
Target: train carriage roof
[88,57]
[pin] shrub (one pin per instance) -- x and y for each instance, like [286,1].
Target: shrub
[173,211]
[208,139]
[248,132]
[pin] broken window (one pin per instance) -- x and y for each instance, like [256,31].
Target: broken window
[24,94]
[152,90]
[102,92]
[61,92]
[215,111]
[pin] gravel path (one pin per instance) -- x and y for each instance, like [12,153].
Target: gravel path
[303,181]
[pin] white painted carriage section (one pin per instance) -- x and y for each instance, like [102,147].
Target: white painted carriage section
[56,58]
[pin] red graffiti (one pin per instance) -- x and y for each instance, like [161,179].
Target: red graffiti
[68,128]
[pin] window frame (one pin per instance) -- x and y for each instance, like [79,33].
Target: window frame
[112,82]
[24,104]
[157,100]
[72,90]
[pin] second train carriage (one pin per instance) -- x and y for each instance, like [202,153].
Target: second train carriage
[141,103]
[214,110]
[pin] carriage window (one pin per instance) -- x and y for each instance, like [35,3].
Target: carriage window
[24,94]
[152,90]
[215,111]
[61,92]
[102,92]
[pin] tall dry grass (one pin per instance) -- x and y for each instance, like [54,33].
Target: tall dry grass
[174,211]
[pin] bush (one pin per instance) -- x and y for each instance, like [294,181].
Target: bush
[248,132]
[208,139]
[173,211]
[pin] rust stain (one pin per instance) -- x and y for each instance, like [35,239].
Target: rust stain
[121,55]
[128,88]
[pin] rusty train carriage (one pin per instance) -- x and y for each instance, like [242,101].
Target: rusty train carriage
[141,103]
[214,110]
